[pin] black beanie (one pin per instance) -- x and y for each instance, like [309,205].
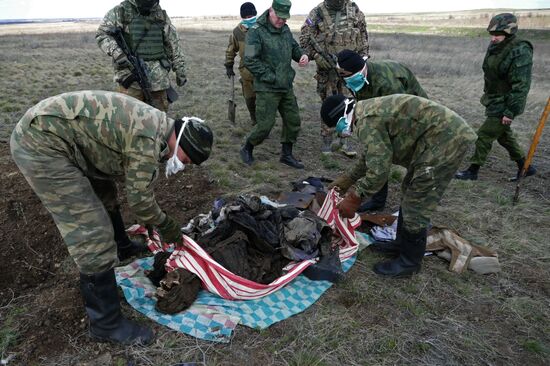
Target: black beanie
[196,140]
[248,9]
[333,108]
[350,61]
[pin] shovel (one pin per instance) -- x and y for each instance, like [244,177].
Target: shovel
[231,105]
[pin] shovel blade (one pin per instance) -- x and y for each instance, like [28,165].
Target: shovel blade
[231,105]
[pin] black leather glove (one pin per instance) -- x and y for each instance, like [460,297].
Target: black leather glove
[170,230]
[229,71]
[181,80]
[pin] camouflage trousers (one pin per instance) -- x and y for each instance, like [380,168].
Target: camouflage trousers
[427,179]
[249,96]
[327,86]
[493,129]
[160,99]
[79,205]
[267,105]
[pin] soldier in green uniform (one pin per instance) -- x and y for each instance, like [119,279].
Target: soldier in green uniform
[71,148]
[507,73]
[332,26]
[368,79]
[423,136]
[150,34]
[269,51]
[236,45]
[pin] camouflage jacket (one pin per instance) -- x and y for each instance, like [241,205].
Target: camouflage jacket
[335,31]
[159,70]
[507,73]
[268,55]
[388,77]
[237,45]
[111,136]
[399,129]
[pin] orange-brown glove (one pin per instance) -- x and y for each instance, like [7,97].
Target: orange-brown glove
[350,204]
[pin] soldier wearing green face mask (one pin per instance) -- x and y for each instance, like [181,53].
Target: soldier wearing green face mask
[332,26]
[507,74]
[269,52]
[150,34]
[236,45]
[368,79]
[71,148]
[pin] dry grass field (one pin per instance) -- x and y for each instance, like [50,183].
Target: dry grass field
[434,318]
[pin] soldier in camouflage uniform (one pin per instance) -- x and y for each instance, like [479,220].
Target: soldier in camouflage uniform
[269,51]
[236,45]
[149,32]
[423,136]
[332,26]
[507,73]
[368,79]
[71,148]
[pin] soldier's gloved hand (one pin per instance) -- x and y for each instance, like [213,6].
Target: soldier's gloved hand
[122,62]
[170,230]
[342,183]
[321,62]
[229,71]
[181,80]
[349,205]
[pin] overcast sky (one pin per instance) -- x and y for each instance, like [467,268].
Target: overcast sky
[32,9]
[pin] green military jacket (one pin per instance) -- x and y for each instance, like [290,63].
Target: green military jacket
[268,55]
[237,45]
[399,129]
[388,77]
[507,73]
[110,136]
[122,16]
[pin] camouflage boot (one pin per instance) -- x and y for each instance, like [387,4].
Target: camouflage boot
[326,147]
[347,149]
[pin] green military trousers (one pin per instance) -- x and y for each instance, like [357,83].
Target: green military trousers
[325,88]
[432,168]
[267,105]
[493,129]
[78,204]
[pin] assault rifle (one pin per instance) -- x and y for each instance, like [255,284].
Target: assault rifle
[333,74]
[139,71]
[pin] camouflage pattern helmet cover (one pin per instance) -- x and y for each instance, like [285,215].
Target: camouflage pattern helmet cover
[196,140]
[335,4]
[503,24]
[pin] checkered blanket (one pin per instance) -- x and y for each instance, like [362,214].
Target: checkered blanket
[232,299]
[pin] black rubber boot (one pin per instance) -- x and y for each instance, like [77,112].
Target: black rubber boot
[413,246]
[287,157]
[251,106]
[103,308]
[531,170]
[468,174]
[391,248]
[246,153]
[126,248]
[376,202]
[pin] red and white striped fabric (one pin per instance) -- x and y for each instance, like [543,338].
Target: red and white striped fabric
[216,279]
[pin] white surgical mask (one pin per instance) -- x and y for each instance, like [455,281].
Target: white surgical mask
[174,164]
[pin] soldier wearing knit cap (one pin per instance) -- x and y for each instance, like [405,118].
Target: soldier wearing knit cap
[236,46]
[71,148]
[368,79]
[423,136]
